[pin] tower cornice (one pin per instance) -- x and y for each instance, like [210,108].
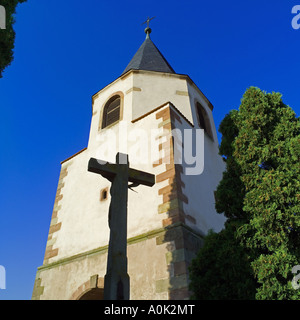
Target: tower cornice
[163,74]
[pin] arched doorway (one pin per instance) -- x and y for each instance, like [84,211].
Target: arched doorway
[92,294]
[92,289]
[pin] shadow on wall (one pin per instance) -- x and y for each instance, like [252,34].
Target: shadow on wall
[182,242]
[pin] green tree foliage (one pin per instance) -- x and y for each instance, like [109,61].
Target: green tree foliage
[259,193]
[221,270]
[268,153]
[231,191]
[7,36]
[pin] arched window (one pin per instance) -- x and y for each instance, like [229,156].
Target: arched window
[111,111]
[203,119]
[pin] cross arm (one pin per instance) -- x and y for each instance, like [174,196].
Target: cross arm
[141,177]
[107,170]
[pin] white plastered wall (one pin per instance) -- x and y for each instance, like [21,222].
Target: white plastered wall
[84,218]
[200,188]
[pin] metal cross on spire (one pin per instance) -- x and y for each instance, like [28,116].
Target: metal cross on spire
[148,21]
[148,29]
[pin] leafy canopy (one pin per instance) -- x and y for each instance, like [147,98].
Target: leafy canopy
[259,193]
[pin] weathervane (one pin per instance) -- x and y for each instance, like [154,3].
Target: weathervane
[148,29]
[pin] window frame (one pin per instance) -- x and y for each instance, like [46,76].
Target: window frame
[207,123]
[104,194]
[118,94]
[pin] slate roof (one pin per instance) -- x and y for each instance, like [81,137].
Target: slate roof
[148,57]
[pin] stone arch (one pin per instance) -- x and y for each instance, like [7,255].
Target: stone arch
[92,294]
[118,117]
[92,289]
[203,119]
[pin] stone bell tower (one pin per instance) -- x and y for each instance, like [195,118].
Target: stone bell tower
[154,115]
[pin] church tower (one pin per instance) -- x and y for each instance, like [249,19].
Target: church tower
[164,123]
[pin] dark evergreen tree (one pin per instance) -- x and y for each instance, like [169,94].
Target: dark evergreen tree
[7,36]
[222,270]
[267,149]
[260,196]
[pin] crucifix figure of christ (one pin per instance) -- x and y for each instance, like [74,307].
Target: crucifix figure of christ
[116,280]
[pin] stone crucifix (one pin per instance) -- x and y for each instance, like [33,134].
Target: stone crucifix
[116,280]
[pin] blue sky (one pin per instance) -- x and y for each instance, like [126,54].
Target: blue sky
[65,51]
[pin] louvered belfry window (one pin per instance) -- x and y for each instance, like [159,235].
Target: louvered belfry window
[203,119]
[111,112]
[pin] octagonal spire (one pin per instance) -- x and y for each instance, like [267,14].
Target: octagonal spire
[148,57]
